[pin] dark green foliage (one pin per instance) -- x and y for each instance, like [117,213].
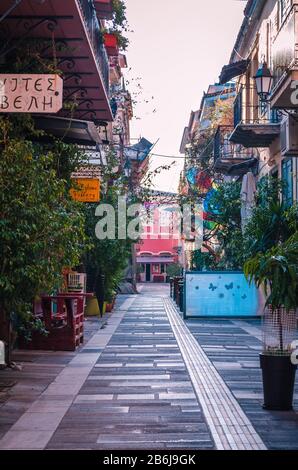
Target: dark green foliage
[277,271]
[173,270]
[228,231]
[203,261]
[41,228]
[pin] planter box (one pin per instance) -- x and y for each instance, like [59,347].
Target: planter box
[278,381]
[111,44]
[109,307]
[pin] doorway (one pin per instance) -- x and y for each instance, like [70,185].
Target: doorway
[148,272]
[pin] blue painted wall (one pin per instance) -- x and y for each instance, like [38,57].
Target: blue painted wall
[221,294]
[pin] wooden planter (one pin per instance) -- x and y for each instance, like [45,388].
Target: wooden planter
[65,325]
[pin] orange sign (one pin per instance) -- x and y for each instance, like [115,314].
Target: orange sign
[31,93]
[88,190]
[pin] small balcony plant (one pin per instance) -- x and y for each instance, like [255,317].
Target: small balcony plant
[276,272]
[114,40]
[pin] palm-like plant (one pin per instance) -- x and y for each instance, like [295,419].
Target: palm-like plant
[276,271]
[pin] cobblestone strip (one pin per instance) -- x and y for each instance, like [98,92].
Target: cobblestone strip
[229,425]
[36,426]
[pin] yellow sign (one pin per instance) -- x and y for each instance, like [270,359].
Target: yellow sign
[88,190]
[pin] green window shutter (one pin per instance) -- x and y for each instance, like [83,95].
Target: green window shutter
[287,176]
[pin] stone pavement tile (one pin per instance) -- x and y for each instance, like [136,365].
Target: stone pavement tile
[133,405]
[246,383]
[136,396]
[39,421]
[93,398]
[34,440]
[49,406]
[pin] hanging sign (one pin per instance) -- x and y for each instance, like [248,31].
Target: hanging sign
[30,93]
[87,191]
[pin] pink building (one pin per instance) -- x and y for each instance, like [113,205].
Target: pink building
[159,246]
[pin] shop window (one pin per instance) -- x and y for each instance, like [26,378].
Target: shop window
[287,177]
[155,268]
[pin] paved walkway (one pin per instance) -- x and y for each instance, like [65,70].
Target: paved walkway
[233,347]
[142,381]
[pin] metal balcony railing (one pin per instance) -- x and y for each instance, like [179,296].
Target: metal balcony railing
[247,113]
[225,150]
[96,39]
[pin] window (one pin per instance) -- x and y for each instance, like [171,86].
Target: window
[156,268]
[162,269]
[287,177]
[284,9]
[141,268]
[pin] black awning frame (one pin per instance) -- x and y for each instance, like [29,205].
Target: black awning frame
[233,70]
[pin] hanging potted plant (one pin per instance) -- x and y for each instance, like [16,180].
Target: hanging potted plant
[114,40]
[277,272]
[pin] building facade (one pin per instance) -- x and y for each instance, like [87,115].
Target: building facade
[159,245]
[267,129]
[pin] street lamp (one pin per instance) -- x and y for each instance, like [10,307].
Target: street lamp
[263,79]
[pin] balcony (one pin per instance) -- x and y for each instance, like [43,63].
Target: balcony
[231,159]
[255,125]
[284,56]
[68,34]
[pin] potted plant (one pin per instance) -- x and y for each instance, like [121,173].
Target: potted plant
[110,296]
[111,44]
[276,272]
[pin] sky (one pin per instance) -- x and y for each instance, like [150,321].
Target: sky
[177,48]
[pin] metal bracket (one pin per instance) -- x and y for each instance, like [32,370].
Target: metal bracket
[51,23]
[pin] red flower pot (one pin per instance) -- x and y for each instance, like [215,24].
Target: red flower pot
[111,44]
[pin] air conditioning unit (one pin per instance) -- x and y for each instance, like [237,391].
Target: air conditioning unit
[289,137]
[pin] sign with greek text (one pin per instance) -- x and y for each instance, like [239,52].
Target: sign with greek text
[30,93]
[88,190]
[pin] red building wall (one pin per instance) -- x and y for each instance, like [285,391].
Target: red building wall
[158,246]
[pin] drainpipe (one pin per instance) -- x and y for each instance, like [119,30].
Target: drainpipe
[10,9]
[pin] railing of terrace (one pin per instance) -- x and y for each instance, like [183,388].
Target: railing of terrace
[95,35]
[245,112]
[223,148]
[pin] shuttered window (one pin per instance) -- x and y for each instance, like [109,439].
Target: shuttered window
[287,176]
[284,8]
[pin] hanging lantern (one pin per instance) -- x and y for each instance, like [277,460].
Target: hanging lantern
[208,205]
[203,180]
[209,225]
[263,79]
[191,175]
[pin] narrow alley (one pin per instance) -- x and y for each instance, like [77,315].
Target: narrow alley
[145,380]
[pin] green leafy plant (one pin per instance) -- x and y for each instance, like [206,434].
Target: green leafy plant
[41,228]
[276,271]
[174,270]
